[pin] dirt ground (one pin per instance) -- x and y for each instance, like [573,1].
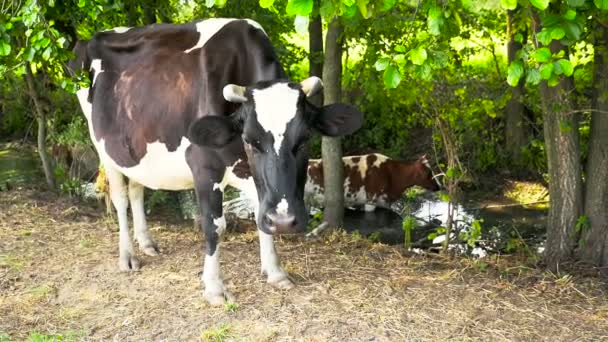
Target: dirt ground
[59,279]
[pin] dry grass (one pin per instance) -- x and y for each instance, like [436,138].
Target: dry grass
[58,276]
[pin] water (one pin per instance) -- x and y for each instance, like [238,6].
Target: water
[17,167]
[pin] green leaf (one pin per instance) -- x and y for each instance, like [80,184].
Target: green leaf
[209,3]
[435,21]
[565,66]
[514,73]
[220,3]
[30,54]
[45,42]
[576,3]
[444,197]
[519,38]
[47,53]
[382,63]
[301,24]
[570,14]
[392,77]
[573,30]
[546,71]
[418,55]
[509,4]
[400,48]
[542,55]
[540,4]
[299,7]
[387,5]
[557,33]
[533,77]
[266,3]
[349,12]
[553,81]
[51,3]
[5,48]
[601,4]
[82,3]
[362,4]
[327,10]
[544,37]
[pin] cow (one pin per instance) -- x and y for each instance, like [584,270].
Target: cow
[203,105]
[373,180]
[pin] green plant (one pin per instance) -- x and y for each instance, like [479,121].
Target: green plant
[231,307]
[408,225]
[374,237]
[157,198]
[217,334]
[472,236]
[315,221]
[438,232]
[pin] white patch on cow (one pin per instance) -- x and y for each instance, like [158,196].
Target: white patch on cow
[97,70]
[215,291]
[220,223]
[159,168]
[87,107]
[218,186]
[208,28]
[380,159]
[119,29]
[282,207]
[275,107]
[348,161]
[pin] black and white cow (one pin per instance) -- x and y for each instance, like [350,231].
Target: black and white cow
[203,105]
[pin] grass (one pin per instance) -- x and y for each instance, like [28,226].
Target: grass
[216,334]
[65,337]
[41,293]
[11,262]
[231,307]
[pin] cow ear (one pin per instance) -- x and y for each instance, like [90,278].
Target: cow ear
[338,119]
[213,131]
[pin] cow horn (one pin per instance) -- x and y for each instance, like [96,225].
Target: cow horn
[311,85]
[234,93]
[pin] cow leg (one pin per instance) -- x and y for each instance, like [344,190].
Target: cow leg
[210,197]
[145,241]
[271,266]
[118,193]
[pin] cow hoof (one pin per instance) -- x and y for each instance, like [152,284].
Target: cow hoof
[128,263]
[217,299]
[150,249]
[283,283]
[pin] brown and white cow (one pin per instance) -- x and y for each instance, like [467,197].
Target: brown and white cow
[372,180]
[164,110]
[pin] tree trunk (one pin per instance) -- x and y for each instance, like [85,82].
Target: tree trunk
[315,56]
[594,242]
[41,120]
[515,126]
[331,149]
[565,175]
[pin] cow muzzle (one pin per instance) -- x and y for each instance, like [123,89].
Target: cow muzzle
[280,223]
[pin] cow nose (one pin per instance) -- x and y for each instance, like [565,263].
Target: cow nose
[282,223]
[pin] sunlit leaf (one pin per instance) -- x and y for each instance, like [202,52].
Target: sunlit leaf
[362,4]
[542,55]
[570,14]
[392,77]
[601,4]
[400,48]
[327,9]
[514,73]
[519,38]
[82,3]
[509,4]
[435,21]
[540,4]
[299,7]
[418,55]
[266,3]
[544,37]
[576,3]
[553,81]
[47,53]
[5,48]
[557,33]
[382,63]
[387,5]
[546,71]
[209,3]
[301,24]
[220,3]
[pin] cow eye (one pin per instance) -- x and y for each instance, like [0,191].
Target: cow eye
[254,144]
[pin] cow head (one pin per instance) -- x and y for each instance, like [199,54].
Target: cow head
[426,178]
[275,122]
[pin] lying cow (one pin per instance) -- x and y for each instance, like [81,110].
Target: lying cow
[373,180]
[164,110]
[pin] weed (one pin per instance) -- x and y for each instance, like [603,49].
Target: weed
[408,225]
[472,236]
[218,334]
[375,237]
[40,293]
[4,337]
[11,262]
[231,307]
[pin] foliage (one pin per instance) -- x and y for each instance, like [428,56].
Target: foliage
[218,334]
[472,235]
[408,225]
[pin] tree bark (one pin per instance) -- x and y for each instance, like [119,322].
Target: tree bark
[41,121]
[565,174]
[515,127]
[331,149]
[315,48]
[594,241]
